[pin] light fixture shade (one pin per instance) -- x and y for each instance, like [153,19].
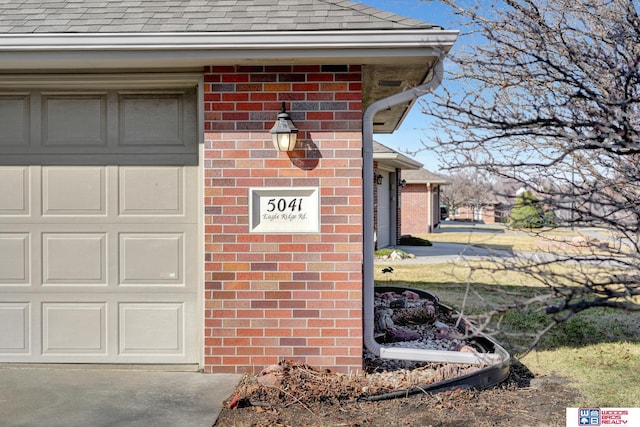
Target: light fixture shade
[283,132]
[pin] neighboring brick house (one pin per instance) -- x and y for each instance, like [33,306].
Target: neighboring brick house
[421,201]
[497,208]
[146,217]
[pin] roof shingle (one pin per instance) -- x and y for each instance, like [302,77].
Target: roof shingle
[423,176]
[148,16]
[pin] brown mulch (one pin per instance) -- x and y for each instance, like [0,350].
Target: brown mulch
[297,395]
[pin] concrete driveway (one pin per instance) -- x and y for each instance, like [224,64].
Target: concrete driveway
[445,252]
[94,397]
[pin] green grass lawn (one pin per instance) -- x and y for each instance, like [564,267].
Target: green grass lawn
[606,374]
[597,351]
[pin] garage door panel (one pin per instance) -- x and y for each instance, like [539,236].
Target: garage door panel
[152,259]
[152,191]
[148,127]
[16,261]
[77,119]
[98,328]
[164,127]
[156,328]
[14,328]
[74,258]
[14,190]
[74,328]
[14,120]
[74,191]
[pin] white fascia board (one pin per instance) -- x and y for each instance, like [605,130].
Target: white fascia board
[197,49]
[427,182]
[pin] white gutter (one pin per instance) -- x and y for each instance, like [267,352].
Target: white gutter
[117,50]
[419,38]
[368,251]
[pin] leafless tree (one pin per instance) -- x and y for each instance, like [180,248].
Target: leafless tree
[547,93]
[467,188]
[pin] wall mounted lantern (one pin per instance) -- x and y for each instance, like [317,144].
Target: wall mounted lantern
[283,132]
[379,179]
[403,183]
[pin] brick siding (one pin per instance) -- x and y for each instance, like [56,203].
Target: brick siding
[270,297]
[415,207]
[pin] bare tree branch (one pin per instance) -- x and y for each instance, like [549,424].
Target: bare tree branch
[547,94]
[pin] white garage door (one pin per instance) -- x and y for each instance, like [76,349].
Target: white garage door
[98,225]
[384,211]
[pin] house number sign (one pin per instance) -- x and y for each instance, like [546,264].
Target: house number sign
[284,210]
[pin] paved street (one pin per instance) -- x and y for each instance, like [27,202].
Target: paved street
[442,252]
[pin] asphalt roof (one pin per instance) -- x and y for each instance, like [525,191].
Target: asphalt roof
[160,16]
[423,176]
[381,148]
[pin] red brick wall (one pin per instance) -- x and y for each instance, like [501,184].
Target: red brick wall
[270,297]
[415,205]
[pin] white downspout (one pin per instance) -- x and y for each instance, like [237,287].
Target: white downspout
[368,239]
[368,188]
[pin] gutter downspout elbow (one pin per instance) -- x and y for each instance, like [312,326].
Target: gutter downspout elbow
[368,294]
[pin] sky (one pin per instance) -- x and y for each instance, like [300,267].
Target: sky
[413,129]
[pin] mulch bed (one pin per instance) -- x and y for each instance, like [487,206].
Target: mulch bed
[304,399]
